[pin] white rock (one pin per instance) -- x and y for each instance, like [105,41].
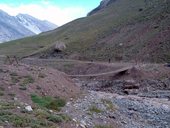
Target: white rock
[29,108]
[121,44]
[15,98]
[51,111]
[6,122]
[18,107]
[165,107]
[74,120]
[82,126]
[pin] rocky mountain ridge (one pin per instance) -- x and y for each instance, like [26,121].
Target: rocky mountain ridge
[22,25]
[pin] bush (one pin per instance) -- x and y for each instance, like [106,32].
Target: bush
[5,106]
[49,102]
[55,119]
[22,121]
[95,109]
[56,104]
[40,113]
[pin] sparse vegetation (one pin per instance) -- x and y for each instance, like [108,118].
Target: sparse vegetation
[40,118]
[55,119]
[83,38]
[28,80]
[109,104]
[128,30]
[41,113]
[6,105]
[24,81]
[94,109]
[49,102]
[22,121]
[14,79]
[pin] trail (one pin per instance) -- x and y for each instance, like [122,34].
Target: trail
[103,74]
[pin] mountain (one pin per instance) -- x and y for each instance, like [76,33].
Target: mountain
[10,28]
[128,30]
[35,25]
[22,25]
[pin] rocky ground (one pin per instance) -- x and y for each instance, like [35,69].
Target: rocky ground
[138,98]
[116,111]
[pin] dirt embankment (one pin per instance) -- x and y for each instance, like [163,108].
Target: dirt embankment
[22,81]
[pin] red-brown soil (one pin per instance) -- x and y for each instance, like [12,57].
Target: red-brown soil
[46,82]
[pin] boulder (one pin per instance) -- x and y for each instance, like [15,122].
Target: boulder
[29,108]
[59,46]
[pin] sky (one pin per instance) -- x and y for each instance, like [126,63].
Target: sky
[55,11]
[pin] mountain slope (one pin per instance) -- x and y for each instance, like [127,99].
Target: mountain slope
[21,26]
[33,24]
[8,25]
[103,5]
[124,29]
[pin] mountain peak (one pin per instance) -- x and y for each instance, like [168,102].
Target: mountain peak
[3,13]
[22,25]
[25,15]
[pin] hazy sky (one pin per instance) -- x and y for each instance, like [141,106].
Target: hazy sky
[56,11]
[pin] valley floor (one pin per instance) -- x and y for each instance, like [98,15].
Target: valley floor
[136,97]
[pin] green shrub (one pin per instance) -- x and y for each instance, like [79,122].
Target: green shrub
[55,119]
[65,117]
[5,106]
[21,121]
[40,113]
[56,104]
[49,102]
